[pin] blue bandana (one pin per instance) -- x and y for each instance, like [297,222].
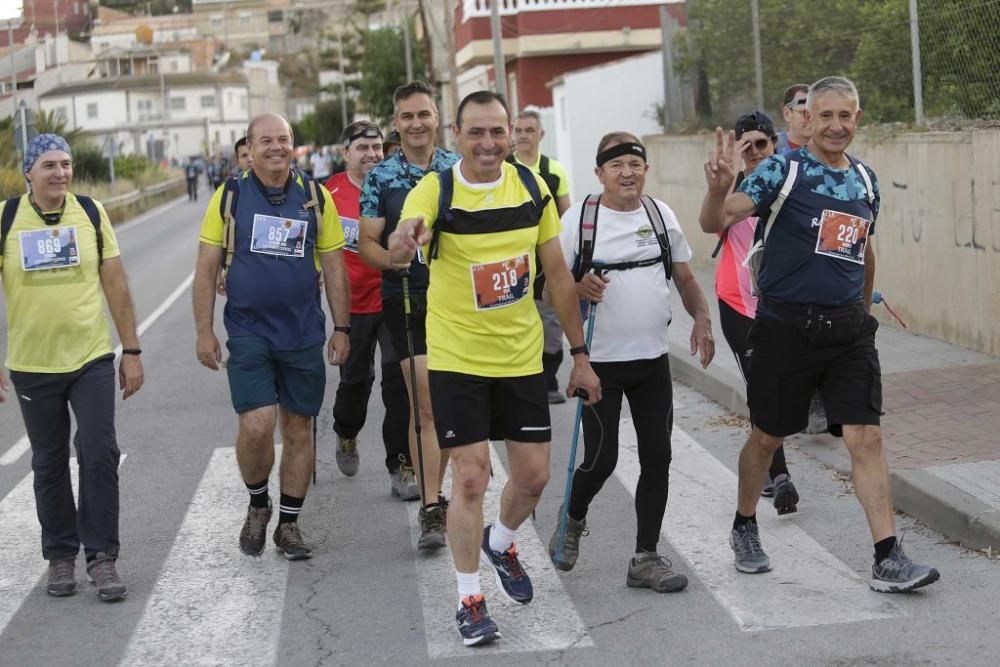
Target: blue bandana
[42,144]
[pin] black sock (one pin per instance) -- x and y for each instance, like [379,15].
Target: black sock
[778,465]
[883,548]
[258,495]
[289,509]
[740,520]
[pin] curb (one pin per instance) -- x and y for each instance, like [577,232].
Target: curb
[940,505]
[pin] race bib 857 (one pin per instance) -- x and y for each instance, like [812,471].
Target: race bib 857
[282,237]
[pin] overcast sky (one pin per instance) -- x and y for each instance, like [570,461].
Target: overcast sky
[10,9]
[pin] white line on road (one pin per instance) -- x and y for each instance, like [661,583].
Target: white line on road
[808,586]
[21,561]
[13,454]
[211,604]
[549,623]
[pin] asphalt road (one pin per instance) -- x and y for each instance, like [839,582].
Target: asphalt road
[367,597]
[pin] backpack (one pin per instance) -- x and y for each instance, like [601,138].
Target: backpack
[551,180]
[588,231]
[755,255]
[88,205]
[447,191]
[231,196]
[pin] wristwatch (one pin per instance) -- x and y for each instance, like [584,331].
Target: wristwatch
[346,329]
[582,349]
[131,350]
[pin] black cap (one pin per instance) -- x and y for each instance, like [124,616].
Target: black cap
[393,138]
[755,120]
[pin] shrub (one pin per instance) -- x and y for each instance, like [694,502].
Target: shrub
[131,166]
[89,164]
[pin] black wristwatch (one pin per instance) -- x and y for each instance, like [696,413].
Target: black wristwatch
[131,350]
[582,349]
[346,329]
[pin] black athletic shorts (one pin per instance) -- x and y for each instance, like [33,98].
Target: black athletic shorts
[395,320]
[471,408]
[785,372]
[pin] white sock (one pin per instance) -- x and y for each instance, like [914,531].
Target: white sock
[501,537]
[468,584]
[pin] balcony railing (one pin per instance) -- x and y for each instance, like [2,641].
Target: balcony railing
[479,8]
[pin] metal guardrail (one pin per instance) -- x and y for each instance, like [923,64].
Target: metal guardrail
[135,195]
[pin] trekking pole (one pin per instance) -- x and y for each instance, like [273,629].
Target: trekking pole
[581,395]
[407,314]
[314,451]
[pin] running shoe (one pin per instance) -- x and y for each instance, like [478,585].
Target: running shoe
[898,574]
[348,458]
[651,570]
[750,556]
[288,540]
[474,622]
[571,545]
[102,573]
[432,525]
[403,482]
[253,537]
[511,577]
[786,498]
[62,577]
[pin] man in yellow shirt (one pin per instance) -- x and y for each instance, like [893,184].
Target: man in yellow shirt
[60,262]
[484,340]
[528,135]
[282,232]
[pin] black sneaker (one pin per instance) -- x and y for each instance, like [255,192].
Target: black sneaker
[102,573]
[510,575]
[253,537]
[786,498]
[432,525]
[651,570]
[898,574]
[750,556]
[62,578]
[474,622]
[288,540]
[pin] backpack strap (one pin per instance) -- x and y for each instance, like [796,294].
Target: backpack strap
[588,232]
[866,177]
[90,208]
[531,185]
[543,166]
[7,221]
[660,229]
[446,191]
[227,209]
[315,203]
[786,189]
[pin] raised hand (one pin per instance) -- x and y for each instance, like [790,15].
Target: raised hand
[720,168]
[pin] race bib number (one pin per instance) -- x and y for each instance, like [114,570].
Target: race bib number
[278,236]
[49,249]
[499,284]
[351,231]
[843,236]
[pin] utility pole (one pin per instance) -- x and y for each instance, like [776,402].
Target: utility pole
[673,110]
[499,64]
[406,45]
[343,87]
[758,66]
[918,83]
[13,68]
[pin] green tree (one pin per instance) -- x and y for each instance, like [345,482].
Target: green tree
[324,126]
[49,122]
[383,69]
[367,8]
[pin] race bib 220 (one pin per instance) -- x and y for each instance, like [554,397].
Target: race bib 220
[843,236]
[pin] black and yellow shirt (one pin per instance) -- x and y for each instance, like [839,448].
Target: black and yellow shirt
[481,318]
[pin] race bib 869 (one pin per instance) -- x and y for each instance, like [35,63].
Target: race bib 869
[54,248]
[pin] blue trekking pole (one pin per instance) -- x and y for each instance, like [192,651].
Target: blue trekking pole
[581,395]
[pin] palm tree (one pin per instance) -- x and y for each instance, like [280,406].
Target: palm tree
[48,122]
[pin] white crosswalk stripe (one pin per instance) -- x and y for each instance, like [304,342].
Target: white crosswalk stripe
[550,622]
[808,585]
[213,605]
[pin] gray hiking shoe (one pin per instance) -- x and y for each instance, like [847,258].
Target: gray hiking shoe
[898,574]
[254,533]
[404,482]
[750,556]
[348,458]
[651,570]
[432,527]
[102,573]
[62,578]
[571,546]
[817,416]
[288,540]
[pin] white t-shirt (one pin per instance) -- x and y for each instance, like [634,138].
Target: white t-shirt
[321,166]
[631,322]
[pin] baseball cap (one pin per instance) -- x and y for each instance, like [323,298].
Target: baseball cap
[755,120]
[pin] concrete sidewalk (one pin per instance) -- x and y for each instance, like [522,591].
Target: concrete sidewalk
[941,430]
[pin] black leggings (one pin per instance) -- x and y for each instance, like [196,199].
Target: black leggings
[646,384]
[736,329]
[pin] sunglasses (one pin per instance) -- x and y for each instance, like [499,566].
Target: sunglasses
[797,105]
[759,144]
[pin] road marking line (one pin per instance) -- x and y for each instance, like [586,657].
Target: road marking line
[211,604]
[150,214]
[21,562]
[13,454]
[549,623]
[808,586]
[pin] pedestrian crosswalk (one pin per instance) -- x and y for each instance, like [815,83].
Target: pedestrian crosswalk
[210,604]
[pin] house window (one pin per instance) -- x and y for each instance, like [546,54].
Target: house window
[245,18]
[208,101]
[178,104]
[232,137]
[216,20]
[276,16]
[92,110]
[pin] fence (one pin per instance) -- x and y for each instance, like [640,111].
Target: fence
[911,59]
[124,206]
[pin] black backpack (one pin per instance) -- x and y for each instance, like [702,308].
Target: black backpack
[551,180]
[90,208]
[588,232]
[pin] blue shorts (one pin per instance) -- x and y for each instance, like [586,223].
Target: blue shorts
[260,376]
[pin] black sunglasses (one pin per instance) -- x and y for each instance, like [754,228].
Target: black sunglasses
[759,144]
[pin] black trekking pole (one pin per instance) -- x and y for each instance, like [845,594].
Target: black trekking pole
[407,314]
[314,451]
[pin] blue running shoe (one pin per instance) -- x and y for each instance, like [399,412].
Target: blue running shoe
[474,622]
[511,577]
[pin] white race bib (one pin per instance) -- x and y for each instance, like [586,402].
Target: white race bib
[54,248]
[282,237]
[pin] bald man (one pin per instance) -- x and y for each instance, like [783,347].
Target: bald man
[276,230]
